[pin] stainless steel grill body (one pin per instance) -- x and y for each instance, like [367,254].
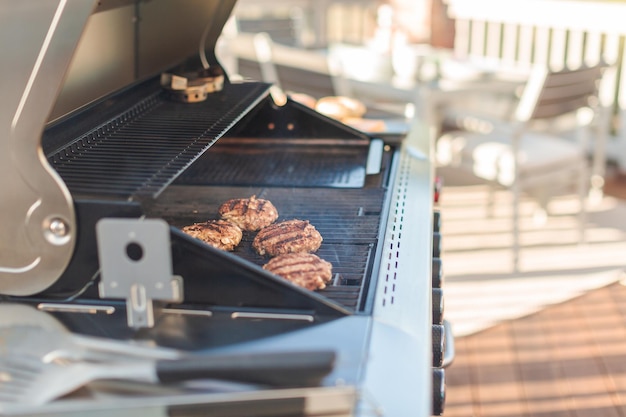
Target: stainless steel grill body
[135,154]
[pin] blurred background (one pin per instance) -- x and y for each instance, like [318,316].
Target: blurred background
[545,338]
[520,32]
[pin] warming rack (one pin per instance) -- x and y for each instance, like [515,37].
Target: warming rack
[141,151]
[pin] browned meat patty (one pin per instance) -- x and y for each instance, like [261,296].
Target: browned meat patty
[303,269]
[290,236]
[249,214]
[221,234]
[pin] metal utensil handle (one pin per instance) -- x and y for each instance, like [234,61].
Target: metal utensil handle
[284,369]
[123,349]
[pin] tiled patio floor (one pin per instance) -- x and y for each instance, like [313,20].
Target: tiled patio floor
[566,360]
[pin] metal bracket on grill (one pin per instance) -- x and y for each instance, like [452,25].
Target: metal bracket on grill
[193,88]
[136,265]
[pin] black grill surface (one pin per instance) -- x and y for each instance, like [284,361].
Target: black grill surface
[157,149]
[348,220]
[144,149]
[284,165]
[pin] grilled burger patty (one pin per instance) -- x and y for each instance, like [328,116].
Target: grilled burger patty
[221,234]
[249,214]
[290,236]
[304,269]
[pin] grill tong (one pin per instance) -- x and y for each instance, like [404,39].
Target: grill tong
[40,360]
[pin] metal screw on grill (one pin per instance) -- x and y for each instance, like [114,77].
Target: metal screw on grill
[58,228]
[56,231]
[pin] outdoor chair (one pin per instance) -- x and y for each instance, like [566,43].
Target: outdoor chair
[515,154]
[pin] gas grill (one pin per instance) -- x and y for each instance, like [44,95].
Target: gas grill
[102,182]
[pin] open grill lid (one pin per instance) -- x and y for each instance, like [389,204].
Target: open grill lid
[38,223]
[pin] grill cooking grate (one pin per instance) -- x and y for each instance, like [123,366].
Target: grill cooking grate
[347,219]
[143,150]
[280,166]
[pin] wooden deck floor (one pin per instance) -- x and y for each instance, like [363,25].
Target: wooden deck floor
[567,360]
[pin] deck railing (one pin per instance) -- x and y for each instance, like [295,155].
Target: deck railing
[556,33]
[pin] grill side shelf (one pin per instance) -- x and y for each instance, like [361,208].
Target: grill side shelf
[142,150]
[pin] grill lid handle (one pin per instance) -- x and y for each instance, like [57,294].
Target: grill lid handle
[37,224]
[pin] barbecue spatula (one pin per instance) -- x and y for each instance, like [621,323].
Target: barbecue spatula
[28,380]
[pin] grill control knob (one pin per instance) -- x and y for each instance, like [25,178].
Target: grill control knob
[436,221]
[437,302]
[437,186]
[437,273]
[439,391]
[439,345]
[436,245]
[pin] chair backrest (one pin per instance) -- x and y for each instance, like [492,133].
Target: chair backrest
[286,29]
[303,71]
[550,94]
[249,55]
[291,68]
